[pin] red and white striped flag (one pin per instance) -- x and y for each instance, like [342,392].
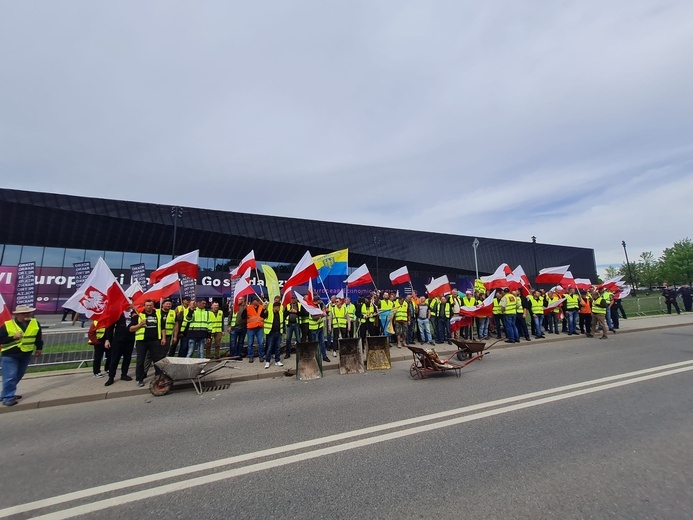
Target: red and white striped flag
[247,263]
[134,291]
[400,276]
[611,283]
[5,313]
[551,306]
[498,279]
[567,281]
[551,275]
[484,310]
[439,286]
[243,288]
[359,277]
[286,297]
[311,309]
[100,297]
[185,264]
[305,270]
[309,294]
[161,289]
[583,284]
[518,280]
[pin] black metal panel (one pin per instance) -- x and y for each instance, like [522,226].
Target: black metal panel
[55,220]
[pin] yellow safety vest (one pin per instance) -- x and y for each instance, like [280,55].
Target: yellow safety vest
[170,322]
[510,304]
[199,321]
[139,333]
[216,321]
[597,308]
[27,342]
[368,309]
[572,302]
[269,321]
[401,312]
[537,305]
[339,317]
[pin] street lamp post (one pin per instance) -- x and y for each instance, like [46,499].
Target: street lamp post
[630,273]
[475,244]
[176,213]
[534,250]
[376,241]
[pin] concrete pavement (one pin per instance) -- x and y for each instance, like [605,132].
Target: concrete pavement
[63,387]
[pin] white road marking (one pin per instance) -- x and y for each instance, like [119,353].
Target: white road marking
[611,382]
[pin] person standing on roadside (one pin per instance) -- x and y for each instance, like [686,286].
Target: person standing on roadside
[599,309]
[96,340]
[686,296]
[121,342]
[669,294]
[20,337]
[150,337]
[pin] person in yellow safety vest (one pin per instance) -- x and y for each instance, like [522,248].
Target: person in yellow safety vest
[537,302]
[455,301]
[351,309]
[181,310]
[274,331]
[339,324]
[369,326]
[521,316]
[468,300]
[508,303]
[216,329]
[401,321]
[150,338]
[498,313]
[20,337]
[199,332]
[444,311]
[384,309]
[95,334]
[237,328]
[255,314]
[572,307]
[599,309]
[609,298]
[316,323]
[552,316]
[169,319]
[433,304]
[413,303]
[292,317]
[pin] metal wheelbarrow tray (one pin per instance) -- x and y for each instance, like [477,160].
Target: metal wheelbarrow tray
[427,362]
[182,369]
[467,348]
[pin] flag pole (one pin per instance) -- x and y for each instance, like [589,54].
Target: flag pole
[327,296]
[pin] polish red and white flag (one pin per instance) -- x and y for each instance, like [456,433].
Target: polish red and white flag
[498,279]
[248,262]
[518,280]
[243,288]
[309,295]
[164,288]
[552,275]
[611,283]
[551,306]
[305,270]
[311,309]
[5,313]
[186,264]
[483,310]
[340,294]
[439,286]
[134,291]
[100,297]
[400,276]
[359,277]
[286,297]
[567,281]
[622,293]
[583,284]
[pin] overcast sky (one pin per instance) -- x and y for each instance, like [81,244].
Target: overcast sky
[570,121]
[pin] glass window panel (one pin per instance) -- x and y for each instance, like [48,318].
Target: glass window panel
[72,256]
[53,257]
[114,259]
[32,254]
[150,261]
[163,259]
[11,254]
[131,259]
[92,256]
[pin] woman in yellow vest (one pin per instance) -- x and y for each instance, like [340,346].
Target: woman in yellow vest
[19,337]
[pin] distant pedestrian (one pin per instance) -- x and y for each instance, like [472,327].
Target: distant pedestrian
[687,297]
[20,337]
[669,294]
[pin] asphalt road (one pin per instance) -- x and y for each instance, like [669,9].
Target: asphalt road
[366,446]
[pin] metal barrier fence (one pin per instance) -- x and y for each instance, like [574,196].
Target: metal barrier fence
[644,306]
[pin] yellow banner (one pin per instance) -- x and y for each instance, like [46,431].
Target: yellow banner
[271,282]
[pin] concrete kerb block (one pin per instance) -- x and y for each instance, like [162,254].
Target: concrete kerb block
[19,407]
[46,403]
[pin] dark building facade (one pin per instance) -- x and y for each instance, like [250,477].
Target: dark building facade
[84,228]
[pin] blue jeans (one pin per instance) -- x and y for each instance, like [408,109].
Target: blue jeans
[552,322]
[292,330]
[196,345]
[13,370]
[443,332]
[511,327]
[482,327]
[609,322]
[572,320]
[538,325]
[319,336]
[425,330]
[259,333]
[274,342]
[383,321]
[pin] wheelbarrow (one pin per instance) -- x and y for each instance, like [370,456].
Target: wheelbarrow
[467,348]
[182,369]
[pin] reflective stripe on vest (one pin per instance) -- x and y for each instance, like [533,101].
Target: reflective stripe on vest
[139,333]
[269,321]
[368,312]
[316,324]
[351,309]
[401,312]
[572,302]
[200,320]
[510,304]
[170,322]
[537,305]
[255,321]
[28,340]
[99,332]
[596,308]
[216,321]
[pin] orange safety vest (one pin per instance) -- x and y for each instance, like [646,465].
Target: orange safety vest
[255,321]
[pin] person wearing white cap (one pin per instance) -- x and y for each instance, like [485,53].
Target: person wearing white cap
[19,338]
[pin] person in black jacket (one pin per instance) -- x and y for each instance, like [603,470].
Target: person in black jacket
[687,297]
[121,342]
[670,295]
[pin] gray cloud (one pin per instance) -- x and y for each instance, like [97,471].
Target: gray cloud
[570,121]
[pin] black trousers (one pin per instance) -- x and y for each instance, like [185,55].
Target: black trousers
[675,304]
[99,352]
[585,321]
[120,349]
[156,352]
[522,326]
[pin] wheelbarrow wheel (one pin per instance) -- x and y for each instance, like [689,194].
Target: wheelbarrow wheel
[461,355]
[161,385]
[415,372]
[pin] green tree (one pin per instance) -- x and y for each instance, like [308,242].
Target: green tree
[648,268]
[611,272]
[677,263]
